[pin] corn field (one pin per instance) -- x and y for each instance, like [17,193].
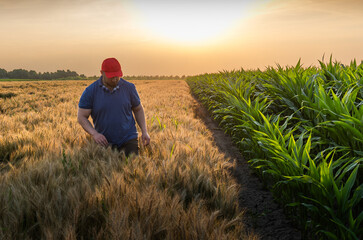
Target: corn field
[302,131]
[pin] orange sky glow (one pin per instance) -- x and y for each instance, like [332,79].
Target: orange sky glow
[177,37]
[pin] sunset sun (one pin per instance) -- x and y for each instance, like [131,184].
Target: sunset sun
[189,22]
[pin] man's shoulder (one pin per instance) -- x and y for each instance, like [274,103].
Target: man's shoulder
[127,84]
[123,81]
[87,95]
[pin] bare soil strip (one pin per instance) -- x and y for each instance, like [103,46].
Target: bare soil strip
[264,216]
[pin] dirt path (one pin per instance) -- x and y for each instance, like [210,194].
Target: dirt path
[263,215]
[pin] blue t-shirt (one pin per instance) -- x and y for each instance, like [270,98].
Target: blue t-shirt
[112,110]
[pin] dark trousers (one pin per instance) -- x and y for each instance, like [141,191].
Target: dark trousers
[131,146]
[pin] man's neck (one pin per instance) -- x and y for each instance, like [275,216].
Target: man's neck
[106,85]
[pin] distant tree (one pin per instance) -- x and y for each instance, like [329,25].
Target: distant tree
[71,74]
[3,73]
[19,73]
[33,74]
[46,76]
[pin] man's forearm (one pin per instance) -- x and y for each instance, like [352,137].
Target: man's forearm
[140,119]
[86,125]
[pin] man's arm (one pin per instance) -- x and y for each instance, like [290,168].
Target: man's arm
[140,119]
[82,118]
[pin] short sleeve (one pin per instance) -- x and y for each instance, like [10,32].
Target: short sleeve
[86,100]
[135,99]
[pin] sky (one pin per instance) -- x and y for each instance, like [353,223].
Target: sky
[189,37]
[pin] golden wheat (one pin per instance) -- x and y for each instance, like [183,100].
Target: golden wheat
[55,183]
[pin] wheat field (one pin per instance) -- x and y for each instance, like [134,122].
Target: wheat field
[55,183]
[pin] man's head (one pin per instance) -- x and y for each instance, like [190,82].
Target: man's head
[111,72]
[111,67]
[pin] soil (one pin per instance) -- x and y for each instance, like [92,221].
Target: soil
[263,216]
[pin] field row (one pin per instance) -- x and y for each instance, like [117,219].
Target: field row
[302,129]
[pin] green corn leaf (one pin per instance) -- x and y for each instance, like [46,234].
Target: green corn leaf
[330,235]
[313,170]
[357,196]
[359,220]
[271,172]
[305,155]
[359,153]
[348,186]
[311,207]
[351,235]
[349,127]
[294,204]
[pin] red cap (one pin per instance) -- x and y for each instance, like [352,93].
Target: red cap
[112,68]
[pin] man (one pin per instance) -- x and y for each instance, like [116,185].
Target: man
[110,101]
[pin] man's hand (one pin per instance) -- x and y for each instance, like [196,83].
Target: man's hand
[100,139]
[145,139]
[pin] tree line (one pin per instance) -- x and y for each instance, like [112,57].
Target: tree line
[25,74]
[62,74]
